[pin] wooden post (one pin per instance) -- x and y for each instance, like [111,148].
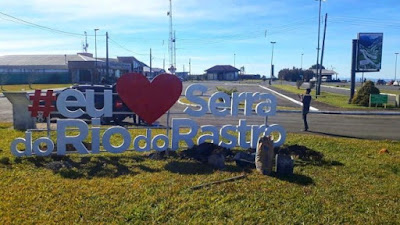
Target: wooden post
[353,69]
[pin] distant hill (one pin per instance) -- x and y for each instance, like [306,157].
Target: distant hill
[370,40]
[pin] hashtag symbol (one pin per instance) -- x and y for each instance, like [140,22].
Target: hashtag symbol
[48,106]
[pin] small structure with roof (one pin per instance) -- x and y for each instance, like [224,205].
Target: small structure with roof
[222,72]
[326,75]
[71,68]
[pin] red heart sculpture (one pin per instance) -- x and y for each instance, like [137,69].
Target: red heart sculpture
[149,100]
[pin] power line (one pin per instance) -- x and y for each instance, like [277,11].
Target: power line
[31,24]
[128,50]
[38,26]
[125,48]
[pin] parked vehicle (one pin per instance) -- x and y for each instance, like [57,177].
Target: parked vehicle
[380,82]
[118,105]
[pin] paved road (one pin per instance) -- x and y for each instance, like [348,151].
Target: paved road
[5,110]
[367,127]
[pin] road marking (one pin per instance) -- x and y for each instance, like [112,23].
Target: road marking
[288,98]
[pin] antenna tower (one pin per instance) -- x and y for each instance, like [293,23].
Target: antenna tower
[85,45]
[171,44]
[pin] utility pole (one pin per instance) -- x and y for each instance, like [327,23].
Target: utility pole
[234,60]
[95,52]
[171,40]
[164,63]
[353,68]
[332,68]
[362,78]
[150,64]
[174,50]
[322,57]
[319,29]
[86,45]
[107,60]
[190,67]
[183,67]
[395,67]
[301,65]
[272,65]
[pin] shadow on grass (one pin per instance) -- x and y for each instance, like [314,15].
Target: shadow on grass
[195,167]
[89,167]
[304,156]
[334,135]
[187,168]
[322,163]
[296,179]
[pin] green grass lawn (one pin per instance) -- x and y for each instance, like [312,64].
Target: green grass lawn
[329,98]
[352,184]
[395,92]
[25,87]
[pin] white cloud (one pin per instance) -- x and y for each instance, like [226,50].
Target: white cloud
[94,9]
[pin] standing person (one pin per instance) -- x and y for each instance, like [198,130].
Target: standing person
[306,100]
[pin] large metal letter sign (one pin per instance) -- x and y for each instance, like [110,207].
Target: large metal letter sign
[151,100]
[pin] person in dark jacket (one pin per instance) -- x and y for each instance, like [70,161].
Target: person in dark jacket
[306,100]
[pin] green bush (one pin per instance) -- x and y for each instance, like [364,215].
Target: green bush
[299,83]
[227,91]
[362,96]
[312,84]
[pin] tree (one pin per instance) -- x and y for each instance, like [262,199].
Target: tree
[362,96]
[308,74]
[3,80]
[315,66]
[295,74]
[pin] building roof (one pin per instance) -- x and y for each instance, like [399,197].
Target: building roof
[130,59]
[109,59]
[42,61]
[222,69]
[325,72]
[158,70]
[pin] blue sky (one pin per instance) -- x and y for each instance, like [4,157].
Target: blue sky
[208,32]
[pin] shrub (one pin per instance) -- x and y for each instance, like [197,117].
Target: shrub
[227,91]
[312,84]
[362,96]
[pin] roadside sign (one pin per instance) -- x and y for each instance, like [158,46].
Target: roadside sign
[378,99]
[369,55]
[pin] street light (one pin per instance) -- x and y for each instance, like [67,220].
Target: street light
[95,53]
[272,58]
[319,28]
[301,65]
[395,67]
